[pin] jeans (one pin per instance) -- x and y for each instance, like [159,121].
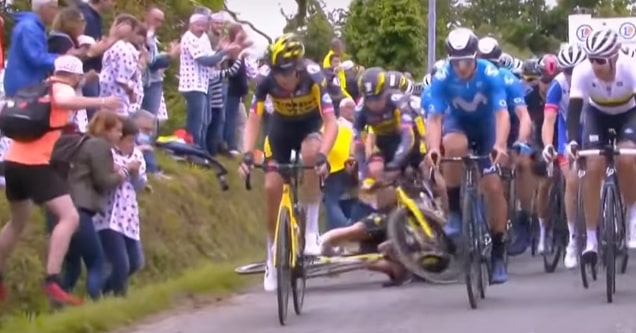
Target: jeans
[214,135]
[152,97]
[335,186]
[91,89]
[231,116]
[85,246]
[151,161]
[196,111]
[125,257]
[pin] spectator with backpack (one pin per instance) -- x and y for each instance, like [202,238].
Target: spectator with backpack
[34,119]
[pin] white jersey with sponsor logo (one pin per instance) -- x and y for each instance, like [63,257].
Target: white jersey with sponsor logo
[613,97]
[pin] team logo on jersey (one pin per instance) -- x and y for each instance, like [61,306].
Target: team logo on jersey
[326,99]
[627,30]
[491,70]
[313,69]
[469,106]
[583,31]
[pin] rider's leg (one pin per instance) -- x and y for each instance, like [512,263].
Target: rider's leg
[455,145]
[311,193]
[525,185]
[543,206]
[571,189]
[626,169]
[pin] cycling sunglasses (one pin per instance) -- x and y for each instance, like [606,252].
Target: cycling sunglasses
[599,61]
[462,60]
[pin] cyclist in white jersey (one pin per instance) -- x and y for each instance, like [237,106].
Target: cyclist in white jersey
[556,106]
[608,82]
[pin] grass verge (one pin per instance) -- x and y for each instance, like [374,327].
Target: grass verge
[113,313]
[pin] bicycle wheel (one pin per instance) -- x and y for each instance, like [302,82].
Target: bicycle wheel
[608,225]
[472,261]
[299,273]
[558,232]
[484,246]
[283,264]
[580,234]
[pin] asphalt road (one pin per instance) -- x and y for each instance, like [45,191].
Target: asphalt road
[531,302]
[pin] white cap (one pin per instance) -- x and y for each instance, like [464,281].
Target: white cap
[36,4]
[198,18]
[85,40]
[69,64]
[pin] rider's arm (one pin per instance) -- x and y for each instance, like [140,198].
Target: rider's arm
[359,151]
[253,125]
[329,120]
[575,108]
[499,104]
[550,111]
[516,96]
[407,138]
[435,112]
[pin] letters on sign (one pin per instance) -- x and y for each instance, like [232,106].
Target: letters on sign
[469,106]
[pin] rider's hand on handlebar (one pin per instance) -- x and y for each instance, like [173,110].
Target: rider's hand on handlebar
[322,165]
[499,155]
[523,148]
[246,166]
[548,153]
[432,158]
[572,147]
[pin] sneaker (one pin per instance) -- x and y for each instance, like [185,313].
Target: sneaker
[312,245]
[541,246]
[57,295]
[454,225]
[270,281]
[631,232]
[235,153]
[571,259]
[499,271]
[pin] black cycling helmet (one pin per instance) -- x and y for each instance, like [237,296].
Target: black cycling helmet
[397,80]
[373,82]
[490,50]
[462,43]
[285,51]
[532,68]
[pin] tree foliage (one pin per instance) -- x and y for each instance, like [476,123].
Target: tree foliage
[315,27]
[386,33]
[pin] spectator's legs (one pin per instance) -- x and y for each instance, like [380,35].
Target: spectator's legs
[196,109]
[214,130]
[135,255]
[241,120]
[231,115]
[151,161]
[92,254]
[91,89]
[115,248]
[152,97]
[335,187]
[10,233]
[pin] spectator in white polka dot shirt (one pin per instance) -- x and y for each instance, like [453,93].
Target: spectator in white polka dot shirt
[196,59]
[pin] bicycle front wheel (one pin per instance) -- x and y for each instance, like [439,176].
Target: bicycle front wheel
[608,220]
[283,264]
[472,263]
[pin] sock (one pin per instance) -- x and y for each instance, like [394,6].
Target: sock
[270,253]
[313,213]
[541,228]
[454,201]
[571,230]
[498,246]
[591,239]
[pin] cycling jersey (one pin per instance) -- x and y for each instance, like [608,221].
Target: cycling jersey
[425,100]
[349,82]
[341,151]
[514,98]
[296,114]
[610,104]
[398,130]
[556,101]
[469,106]
[536,103]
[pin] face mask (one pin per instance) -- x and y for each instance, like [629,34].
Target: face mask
[143,138]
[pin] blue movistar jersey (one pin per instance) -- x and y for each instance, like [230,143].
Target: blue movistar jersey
[425,100]
[475,99]
[515,94]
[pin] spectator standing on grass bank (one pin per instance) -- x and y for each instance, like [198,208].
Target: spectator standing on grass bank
[30,178]
[29,62]
[118,226]
[337,48]
[196,59]
[92,179]
[93,11]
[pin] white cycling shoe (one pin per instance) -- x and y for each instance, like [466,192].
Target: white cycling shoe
[571,259]
[312,245]
[270,281]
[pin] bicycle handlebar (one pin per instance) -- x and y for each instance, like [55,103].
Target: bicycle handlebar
[279,167]
[607,152]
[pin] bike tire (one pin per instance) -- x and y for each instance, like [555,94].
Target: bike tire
[472,261]
[299,273]
[249,269]
[608,220]
[396,232]
[283,265]
[557,219]
[581,240]
[485,266]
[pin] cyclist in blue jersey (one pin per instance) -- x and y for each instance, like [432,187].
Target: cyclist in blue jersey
[426,94]
[556,106]
[468,105]
[520,130]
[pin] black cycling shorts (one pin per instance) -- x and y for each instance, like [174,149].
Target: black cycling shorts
[596,125]
[285,135]
[387,146]
[40,183]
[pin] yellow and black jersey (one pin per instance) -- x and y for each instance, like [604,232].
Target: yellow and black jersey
[309,99]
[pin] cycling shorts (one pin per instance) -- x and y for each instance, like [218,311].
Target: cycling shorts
[597,123]
[481,137]
[375,224]
[284,135]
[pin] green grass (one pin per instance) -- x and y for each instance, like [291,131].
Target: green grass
[185,222]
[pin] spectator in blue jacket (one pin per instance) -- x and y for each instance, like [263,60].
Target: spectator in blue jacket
[29,61]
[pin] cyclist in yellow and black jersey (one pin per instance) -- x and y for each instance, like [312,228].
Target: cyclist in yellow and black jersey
[302,106]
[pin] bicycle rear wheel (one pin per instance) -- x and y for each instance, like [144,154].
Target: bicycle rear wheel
[283,264]
[581,231]
[472,263]
[608,223]
[557,236]
[299,273]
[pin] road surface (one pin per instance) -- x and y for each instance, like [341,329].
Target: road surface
[531,302]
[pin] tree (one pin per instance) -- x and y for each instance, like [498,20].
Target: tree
[314,26]
[387,33]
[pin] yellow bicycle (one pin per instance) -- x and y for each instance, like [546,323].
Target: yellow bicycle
[289,239]
[415,227]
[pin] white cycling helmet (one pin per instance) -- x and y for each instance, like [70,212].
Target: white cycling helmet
[427,80]
[570,56]
[517,66]
[632,53]
[506,60]
[602,43]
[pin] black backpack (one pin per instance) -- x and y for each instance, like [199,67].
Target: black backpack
[26,116]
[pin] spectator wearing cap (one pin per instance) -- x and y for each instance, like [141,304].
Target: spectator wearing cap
[93,11]
[30,178]
[196,59]
[29,62]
